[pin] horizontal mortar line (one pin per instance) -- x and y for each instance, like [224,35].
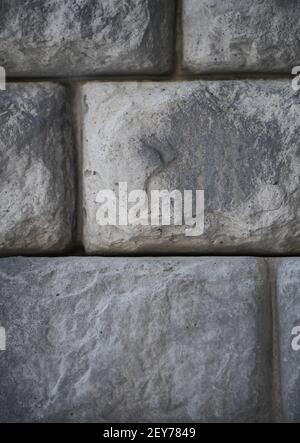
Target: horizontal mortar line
[143,255]
[170,78]
[79,78]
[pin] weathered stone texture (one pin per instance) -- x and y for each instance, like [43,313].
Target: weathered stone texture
[288,310]
[241,36]
[236,140]
[36,171]
[74,38]
[166,339]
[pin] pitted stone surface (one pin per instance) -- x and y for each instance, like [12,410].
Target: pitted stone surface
[241,36]
[75,38]
[36,171]
[236,140]
[288,309]
[141,339]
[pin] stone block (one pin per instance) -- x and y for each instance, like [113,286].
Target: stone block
[288,331]
[135,340]
[235,140]
[240,36]
[81,38]
[36,171]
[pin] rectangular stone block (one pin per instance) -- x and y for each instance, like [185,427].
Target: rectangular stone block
[135,340]
[36,171]
[288,331]
[235,140]
[80,38]
[240,36]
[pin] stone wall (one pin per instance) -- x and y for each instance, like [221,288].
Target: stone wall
[161,326]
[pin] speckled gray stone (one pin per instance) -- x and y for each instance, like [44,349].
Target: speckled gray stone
[86,37]
[241,36]
[288,311]
[141,339]
[36,169]
[236,140]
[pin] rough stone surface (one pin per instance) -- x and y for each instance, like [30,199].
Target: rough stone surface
[71,37]
[166,339]
[36,171]
[241,36]
[236,140]
[288,311]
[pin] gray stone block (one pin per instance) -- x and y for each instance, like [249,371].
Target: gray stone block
[288,311]
[79,38]
[131,340]
[236,140]
[241,36]
[36,171]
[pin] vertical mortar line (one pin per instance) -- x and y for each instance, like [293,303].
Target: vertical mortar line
[77,133]
[276,375]
[67,84]
[178,40]
[264,357]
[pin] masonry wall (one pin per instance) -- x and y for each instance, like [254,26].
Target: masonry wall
[140,322]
